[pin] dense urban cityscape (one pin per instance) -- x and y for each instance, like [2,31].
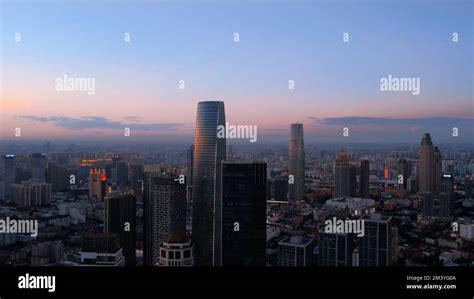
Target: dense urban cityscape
[223,203]
[233,148]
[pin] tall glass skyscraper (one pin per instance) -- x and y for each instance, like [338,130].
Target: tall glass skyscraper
[364,179]
[209,152]
[244,213]
[375,247]
[296,162]
[164,212]
[427,165]
[120,210]
[342,176]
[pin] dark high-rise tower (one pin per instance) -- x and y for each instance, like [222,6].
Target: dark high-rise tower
[7,176]
[244,213]
[115,159]
[136,177]
[403,169]
[335,249]
[57,176]
[353,180]
[38,166]
[122,174]
[209,152]
[447,184]
[446,195]
[438,171]
[342,176]
[164,212]
[375,247]
[296,163]
[427,165]
[280,188]
[364,178]
[120,219]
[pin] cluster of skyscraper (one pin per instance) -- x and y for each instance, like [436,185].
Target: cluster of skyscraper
[228,204]
[33,191]
[228,207]
[377,247]
[430,182]
[229,198]
[345,177]
[433,184]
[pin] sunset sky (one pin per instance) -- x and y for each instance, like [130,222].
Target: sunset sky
[336,83]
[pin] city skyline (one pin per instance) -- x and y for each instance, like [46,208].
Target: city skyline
[227,223]
[336,84]
[205,147]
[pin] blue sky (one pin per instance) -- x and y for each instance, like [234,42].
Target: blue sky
[279,41]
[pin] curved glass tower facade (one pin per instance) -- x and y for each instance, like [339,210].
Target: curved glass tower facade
[209,152]
[296,163]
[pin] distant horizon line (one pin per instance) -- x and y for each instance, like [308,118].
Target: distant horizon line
[190,142]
